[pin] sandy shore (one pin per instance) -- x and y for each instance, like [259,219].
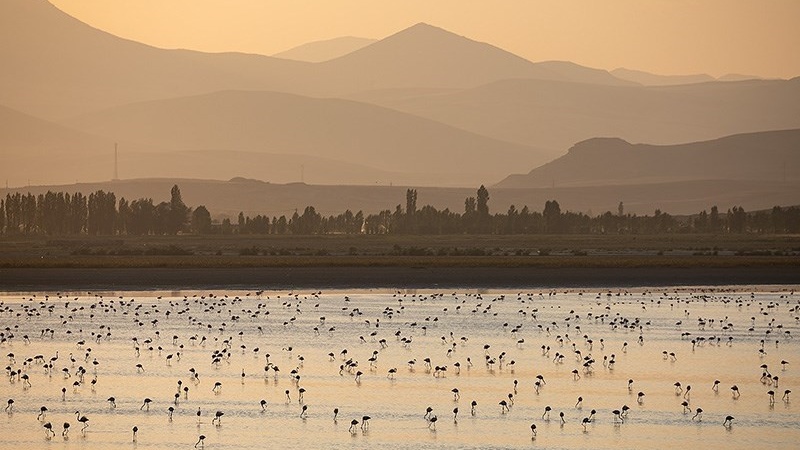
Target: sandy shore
[50,279]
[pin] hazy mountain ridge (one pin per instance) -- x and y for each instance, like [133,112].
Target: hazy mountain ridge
[35,150]
[651,79]
[413,148]
[432,108]
[771,156]
[41,152]
[319,51]
[87,69]
[553,115]
[427,56]
[21,133]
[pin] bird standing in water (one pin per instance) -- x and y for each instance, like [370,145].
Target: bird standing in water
[728,421]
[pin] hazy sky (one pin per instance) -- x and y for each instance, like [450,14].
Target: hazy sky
[758,37]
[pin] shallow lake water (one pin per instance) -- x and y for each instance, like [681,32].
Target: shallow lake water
[490,346]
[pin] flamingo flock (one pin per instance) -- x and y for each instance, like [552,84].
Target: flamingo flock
[165,363]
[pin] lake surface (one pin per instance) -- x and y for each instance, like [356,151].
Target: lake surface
[225,337]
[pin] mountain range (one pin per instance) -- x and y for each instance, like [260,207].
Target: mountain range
[421,107]
[554,115]
[287,124]
[765,156]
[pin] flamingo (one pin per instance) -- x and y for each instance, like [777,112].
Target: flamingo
[728,421]
[82,419]
[735,391]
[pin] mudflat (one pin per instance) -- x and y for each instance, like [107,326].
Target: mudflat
[431,277]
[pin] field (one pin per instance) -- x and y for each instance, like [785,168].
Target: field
[458,250]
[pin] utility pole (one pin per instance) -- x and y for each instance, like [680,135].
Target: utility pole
[116,161]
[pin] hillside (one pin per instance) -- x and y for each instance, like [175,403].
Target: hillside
[651,79]
[416,150]
[425,56]
[36,151]
[766,156]
[553,115]
[319,51]
[59,66]
[55,66]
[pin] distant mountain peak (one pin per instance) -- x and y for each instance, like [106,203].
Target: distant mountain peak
[598,144]
[422,25]
[426,31]
[425,27]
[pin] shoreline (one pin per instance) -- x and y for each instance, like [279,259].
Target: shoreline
[283,278]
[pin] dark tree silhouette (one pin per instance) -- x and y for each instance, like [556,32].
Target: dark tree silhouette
[552,216]
[178,215]
[714,222]
[411,202]
[483,202]
[61,213]
[201,220]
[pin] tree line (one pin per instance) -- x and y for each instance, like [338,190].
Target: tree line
[99,213]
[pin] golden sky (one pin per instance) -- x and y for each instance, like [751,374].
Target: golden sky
[754,37]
